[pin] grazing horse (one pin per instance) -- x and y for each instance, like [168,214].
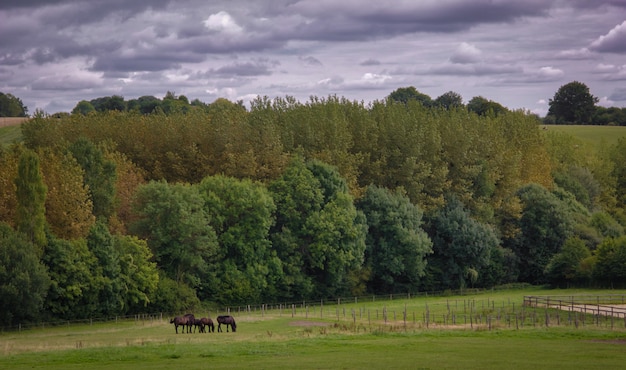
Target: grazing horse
[179,321]
[198,324]
[191,321]
[207,323]
[228,321]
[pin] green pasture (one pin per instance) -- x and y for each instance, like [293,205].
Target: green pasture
[334,335]
[592,135]
[10,134]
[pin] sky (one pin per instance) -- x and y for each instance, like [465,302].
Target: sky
[518,53]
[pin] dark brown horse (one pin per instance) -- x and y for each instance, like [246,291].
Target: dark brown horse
[180,321]
[207,323]
[198,324]
[228,321]
[191,321]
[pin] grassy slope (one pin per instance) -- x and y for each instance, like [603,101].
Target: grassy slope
[272,341]
[10,134]
[594,135]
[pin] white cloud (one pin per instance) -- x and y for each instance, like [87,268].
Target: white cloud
[466,54]
[576,54]
[373,78]
[222,22]
[550,72]
[612,42]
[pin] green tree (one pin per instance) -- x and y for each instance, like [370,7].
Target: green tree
[319,238]
[83,107]
[546,224]
[397,245]
[406,94]
[11,106]
[109,103]
[110,296]
[461,246]
[172,218]
[69,209]
[610,267]
[171,296]
[241,213]
[139,276]
[76,281]
[24,280]
[482,106]
[99,176]
[573,103]
[31,199]
[449,100]
[565,268]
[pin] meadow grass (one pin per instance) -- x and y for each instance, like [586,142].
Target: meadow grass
[591,135]
[10,134]
[288,338]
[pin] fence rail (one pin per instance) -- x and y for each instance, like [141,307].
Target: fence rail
[386,313]
[613,305]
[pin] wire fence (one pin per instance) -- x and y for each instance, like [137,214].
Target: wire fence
[388,312]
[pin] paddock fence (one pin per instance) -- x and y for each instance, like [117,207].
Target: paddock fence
[409,312]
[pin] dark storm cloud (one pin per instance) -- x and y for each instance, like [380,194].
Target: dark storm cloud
[618,95]
[370,62]
[233,48]
[350,20]
[247,69]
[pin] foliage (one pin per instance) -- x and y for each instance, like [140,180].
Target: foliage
[24,280]
[483,106]
[236,206]
[173,297]
[565,268]
[319,235]
[139,276]
[31,197]
[11,106]
[572,103]
[111,293]
[405,94]
[69,208]
[99,176]
[76,280]
[241,213]
[449,100]
[173,220]
[545,224]
[610,267]
[461,246]
[397,245]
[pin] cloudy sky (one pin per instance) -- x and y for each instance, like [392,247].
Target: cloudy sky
[54,53]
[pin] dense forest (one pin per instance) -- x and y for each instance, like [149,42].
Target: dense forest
[115,212]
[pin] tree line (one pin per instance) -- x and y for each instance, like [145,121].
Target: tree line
[119,212]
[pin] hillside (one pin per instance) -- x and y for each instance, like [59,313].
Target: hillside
[10,129]
[594,135]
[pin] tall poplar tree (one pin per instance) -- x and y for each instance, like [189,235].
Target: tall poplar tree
[31,198]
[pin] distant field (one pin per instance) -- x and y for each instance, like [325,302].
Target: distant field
[10,129]
[350,335]
[11,121]
[594,135]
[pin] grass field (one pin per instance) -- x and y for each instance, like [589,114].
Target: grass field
[324,337]
[10,130]
[593,135]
